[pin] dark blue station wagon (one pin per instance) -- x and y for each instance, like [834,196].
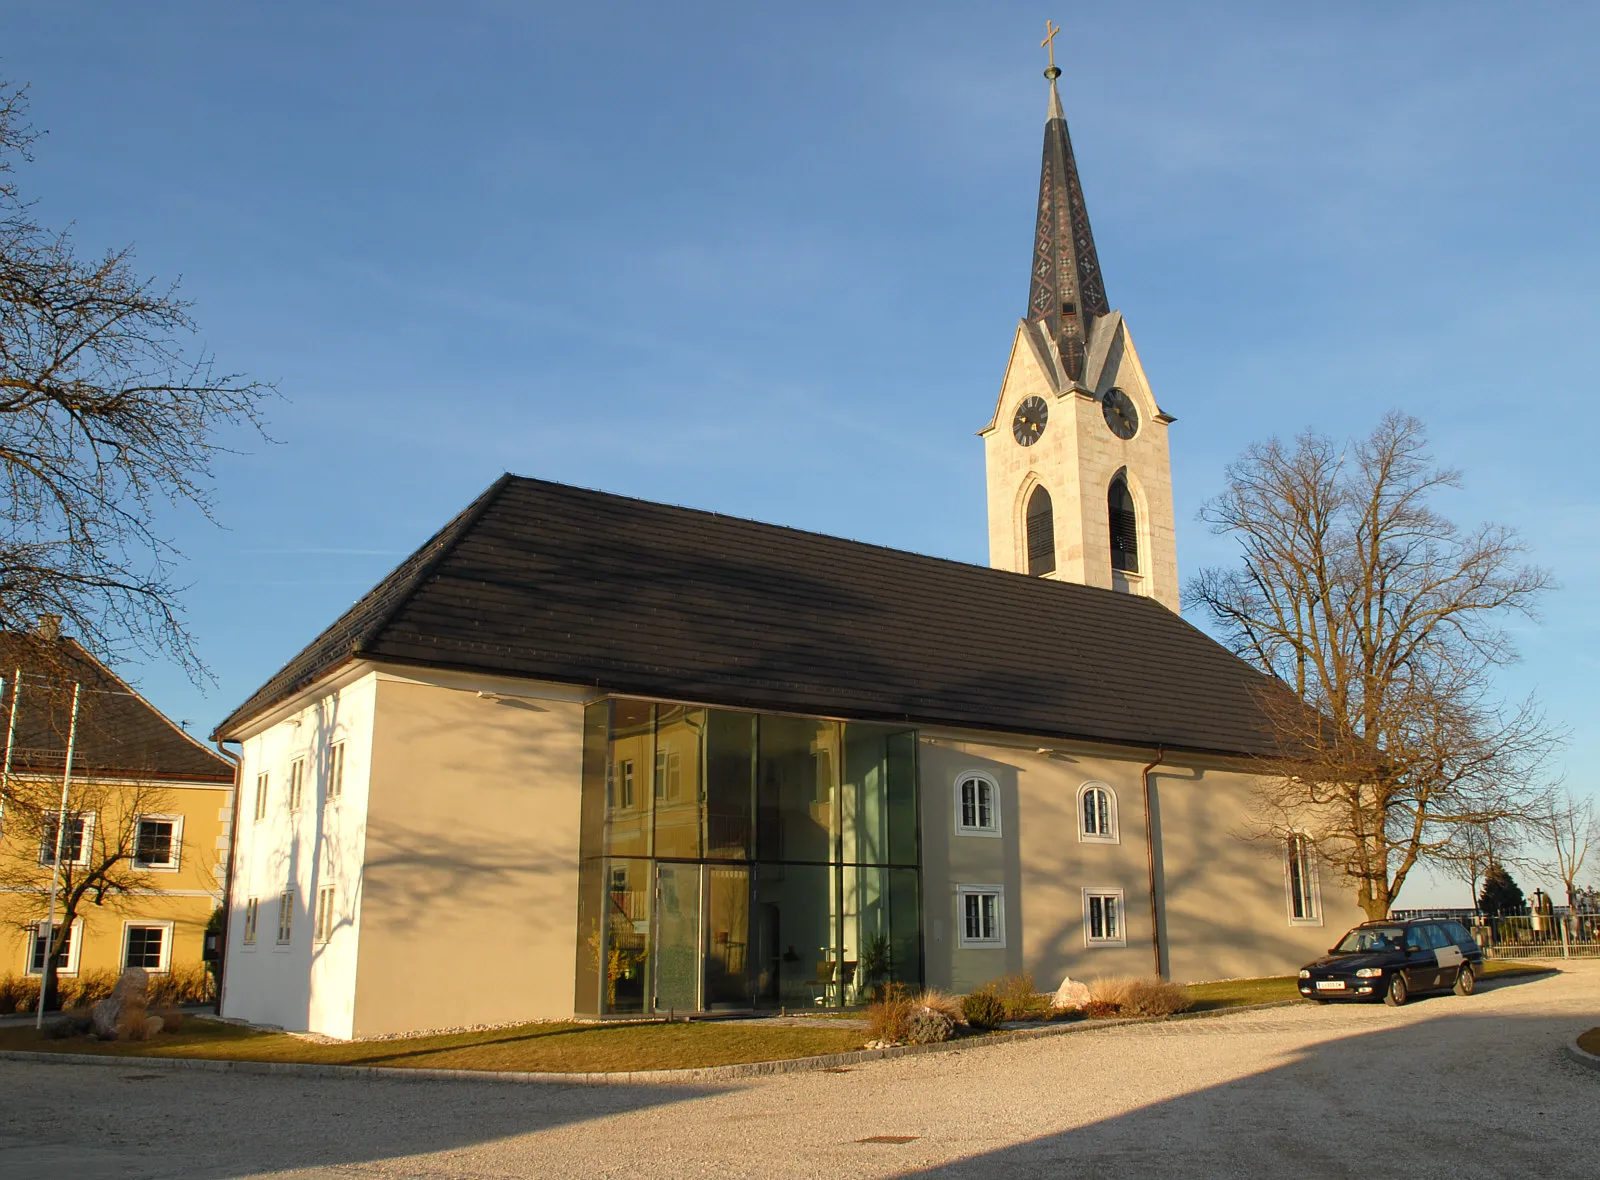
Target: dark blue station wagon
[1394,961]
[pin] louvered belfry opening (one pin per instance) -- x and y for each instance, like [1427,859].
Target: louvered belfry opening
[1041,533]
[1124,528]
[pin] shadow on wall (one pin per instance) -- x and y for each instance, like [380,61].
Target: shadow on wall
[1409,1101]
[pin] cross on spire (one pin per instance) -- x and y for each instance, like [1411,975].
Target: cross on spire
[1049,42]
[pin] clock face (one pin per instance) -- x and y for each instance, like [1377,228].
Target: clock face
[1120,414]
[1028,425]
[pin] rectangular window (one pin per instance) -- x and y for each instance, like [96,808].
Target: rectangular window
[669,775]
[981,914]
[977,806]
[76,838]
[261,797]
[625,782]
[297,782]
[285,916]
[322,926]
[1102,918]
[147,947]
[335,772]
[156,841]
[1300,871]
[252,911]
[39,947]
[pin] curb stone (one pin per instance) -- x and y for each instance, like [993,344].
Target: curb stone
[1582,1056]
[704,1074]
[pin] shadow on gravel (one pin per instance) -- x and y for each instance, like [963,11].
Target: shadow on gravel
[128,1123]
[1459,1095]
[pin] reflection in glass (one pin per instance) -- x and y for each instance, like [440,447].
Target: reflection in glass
[677,957]
[730,784]
[676,782]
[798,757]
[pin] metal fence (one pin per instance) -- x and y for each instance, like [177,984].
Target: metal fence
[1555,935]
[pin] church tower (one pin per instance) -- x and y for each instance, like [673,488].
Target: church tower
[1080,483]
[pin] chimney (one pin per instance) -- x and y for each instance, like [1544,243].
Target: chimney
[48,627]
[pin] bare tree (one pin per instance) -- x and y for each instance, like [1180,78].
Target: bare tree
[107,414]
[1571,826]
[1387,620]
[98,843]
[1473,848]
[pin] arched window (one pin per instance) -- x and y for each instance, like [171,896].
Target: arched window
[977,804]
[1041,533]
[1300,868]
[1124,527]
[1097,813]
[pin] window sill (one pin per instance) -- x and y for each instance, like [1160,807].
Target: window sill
[156,868]
[1305,921]
[1094,944]
[1087,839]
[991,833]
[967,944]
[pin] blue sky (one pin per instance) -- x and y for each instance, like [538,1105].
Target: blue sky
[767,261]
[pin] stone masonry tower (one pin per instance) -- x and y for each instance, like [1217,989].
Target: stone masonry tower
[1080,483]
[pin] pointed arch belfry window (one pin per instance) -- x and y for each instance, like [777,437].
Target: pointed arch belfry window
[1041,533]
[1124,527]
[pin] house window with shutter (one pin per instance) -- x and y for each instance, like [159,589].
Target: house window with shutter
[1041,533]
[1124,528]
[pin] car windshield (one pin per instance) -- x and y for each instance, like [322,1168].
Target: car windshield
[1372,938]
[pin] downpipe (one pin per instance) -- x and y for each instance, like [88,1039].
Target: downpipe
[1150,859]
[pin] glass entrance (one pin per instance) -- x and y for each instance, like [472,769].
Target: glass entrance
[677,941]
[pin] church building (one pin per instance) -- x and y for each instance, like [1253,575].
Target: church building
[588,755]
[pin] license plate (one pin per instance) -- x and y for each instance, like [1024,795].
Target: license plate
[1330,985]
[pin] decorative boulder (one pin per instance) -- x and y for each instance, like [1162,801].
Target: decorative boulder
[124,1009]
[1071,994]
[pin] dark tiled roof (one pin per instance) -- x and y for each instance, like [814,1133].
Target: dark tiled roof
[542,580]
[119,732]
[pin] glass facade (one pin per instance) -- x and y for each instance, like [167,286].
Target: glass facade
[736,860]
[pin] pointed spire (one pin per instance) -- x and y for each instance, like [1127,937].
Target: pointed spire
[1067,290]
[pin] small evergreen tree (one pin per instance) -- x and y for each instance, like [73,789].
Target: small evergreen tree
[1501,895]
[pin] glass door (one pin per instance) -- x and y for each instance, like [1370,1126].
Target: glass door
[678,938]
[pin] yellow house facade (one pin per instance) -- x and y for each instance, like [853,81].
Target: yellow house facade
[148,818]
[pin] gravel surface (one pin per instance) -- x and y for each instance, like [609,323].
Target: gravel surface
[1445,1087]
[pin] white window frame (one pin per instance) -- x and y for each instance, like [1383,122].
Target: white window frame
[1311,877]
[962,827]
[74,947]
[1103,892]
[252,922]
[999,893]
[297,783]
[322,921]
[285,931]
[47,850]
[1114,835]
[166,943]
[177,844]
[335,791]
[263,781]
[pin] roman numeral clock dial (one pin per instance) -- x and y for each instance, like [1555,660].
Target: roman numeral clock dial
[1028,425]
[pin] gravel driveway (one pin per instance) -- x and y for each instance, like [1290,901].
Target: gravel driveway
[1445,1087]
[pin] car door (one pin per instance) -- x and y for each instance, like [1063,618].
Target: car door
[1422,961]
[1449,952]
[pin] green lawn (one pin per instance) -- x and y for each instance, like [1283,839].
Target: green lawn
[557,1048]
[1231,993]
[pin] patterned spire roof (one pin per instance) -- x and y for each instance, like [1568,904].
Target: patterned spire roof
[1066,288]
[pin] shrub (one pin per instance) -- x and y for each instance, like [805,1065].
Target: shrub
[18,994]
[1136,996]
[181,985]
[889,1016]
[928,1026]
[1021,999]
[88,989]
[171,1019]
[942,1002]
[983,1009]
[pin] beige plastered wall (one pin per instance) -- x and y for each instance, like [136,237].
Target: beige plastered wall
[470,882]
[1222,896]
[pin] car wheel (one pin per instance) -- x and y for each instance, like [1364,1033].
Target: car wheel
[1466,981]
[1398,993]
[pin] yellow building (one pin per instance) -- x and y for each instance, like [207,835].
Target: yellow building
[143,853]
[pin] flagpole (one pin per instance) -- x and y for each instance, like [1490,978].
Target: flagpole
[55,864]
[11,733]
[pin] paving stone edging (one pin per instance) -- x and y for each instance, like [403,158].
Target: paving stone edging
[710,1073]
[1581,1055]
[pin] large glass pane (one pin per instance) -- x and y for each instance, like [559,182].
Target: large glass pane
[676,781]
[677,946]
[628,771]
[797,790]
[627,934]
[730,784]
[797,960]
[728,983]
[587,997]
[905,926]
[905,846]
